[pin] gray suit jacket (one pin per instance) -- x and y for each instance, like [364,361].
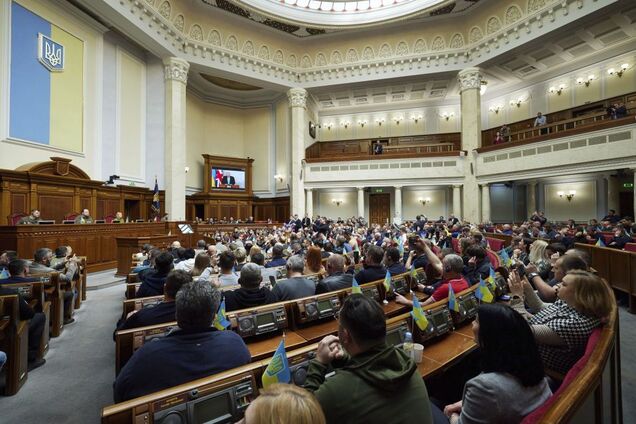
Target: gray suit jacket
[334,282]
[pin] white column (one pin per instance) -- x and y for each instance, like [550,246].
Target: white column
[612,193]
[485,203]
[297,102]
[310,203]
[457,201]
[360,201]
[469,86]
[398,203]
[176,78]
[634,171]
[532,198]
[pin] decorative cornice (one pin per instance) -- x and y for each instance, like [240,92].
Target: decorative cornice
[176,69]
[297,97]
[469,78]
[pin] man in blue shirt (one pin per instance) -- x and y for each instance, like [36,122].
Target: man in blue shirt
[195,350]
[277,257]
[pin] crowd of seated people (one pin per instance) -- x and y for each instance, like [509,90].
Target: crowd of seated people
[241,262]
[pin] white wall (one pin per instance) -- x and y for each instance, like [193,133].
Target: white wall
[581,208]
[411,206]
[324,206]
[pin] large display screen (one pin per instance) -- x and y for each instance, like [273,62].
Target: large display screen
[224,178]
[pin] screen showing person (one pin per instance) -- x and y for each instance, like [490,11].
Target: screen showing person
[228,178]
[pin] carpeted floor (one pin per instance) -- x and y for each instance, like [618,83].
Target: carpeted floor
[76,381]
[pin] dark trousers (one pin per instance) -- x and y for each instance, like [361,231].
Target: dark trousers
[438,415]
[68,303]
[36,327]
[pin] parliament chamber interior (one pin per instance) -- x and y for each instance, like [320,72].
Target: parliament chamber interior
[309,211]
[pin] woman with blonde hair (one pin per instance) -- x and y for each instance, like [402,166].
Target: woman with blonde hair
[284,404]
[313,261]
[539,258]
[562,328]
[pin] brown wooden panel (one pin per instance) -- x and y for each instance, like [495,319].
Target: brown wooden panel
[19,203]
[379,208]
[619,270]
[55,207]
[85,203]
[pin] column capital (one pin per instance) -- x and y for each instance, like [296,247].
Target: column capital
[360,188]
[484,185]
[457,186]
[176,69]
[309,189]
[297,97]
[398,187]
[469,78]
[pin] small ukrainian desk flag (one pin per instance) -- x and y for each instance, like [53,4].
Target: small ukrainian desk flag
[278,369]
[387,281]
[483,292]
[505,258]
[220,319]
[491,278]
[419,317]
[599,242]
[355,287]
[452,301]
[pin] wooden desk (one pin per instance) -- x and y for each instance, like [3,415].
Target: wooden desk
[127,246]
[265,348]
[315,333]
[444,352]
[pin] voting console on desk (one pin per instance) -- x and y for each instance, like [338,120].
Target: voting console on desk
[299,364]
[468,306]
[396,333]
[371,291]
[219,403]
[254,322]
[142,302]
[401,284]
[439,322]
[145,336]
[316,308]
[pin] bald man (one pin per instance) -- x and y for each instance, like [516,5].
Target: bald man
[336,279]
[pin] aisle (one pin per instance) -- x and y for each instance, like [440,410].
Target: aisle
[76,381]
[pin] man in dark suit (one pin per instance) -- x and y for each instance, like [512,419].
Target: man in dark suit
[228,178]
[373,269]
[153,279]
[162,311]
[336,279]
[251,294]
[306,222]
[195,350]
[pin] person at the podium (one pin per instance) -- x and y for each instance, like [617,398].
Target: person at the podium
[84,217]
[228,179]
[34,218]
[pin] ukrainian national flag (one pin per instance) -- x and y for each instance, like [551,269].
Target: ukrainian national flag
[419,317]
[46,98]
[278,369]
[599,242]
[220,319]
[413,271]
[4,274]
[387,281]
[453,305]
[491,277]
[505,258]
[483,292]
[401,247]
[355,287]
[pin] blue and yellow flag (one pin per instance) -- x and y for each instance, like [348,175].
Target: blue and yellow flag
[401,247]
[355,287]
[453,305]
[4,274]
[387,281]
[220,319]
[491,278]
[599,242]
[278,369]
[505,258]
[413,271]
[419,317]
[483,293]
[156,207]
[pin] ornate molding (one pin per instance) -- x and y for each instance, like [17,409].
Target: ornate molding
[176,69]
[469,78]
[297,97]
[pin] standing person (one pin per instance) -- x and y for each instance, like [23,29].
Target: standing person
[378,148]
[498,139]
[540,121]
[505,132]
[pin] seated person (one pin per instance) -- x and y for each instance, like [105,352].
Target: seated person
[619,240]
[187,262]
[149,262]
[119,218]
[84,217]
[259,259]
[34,218]
[62,255]
[451,268]
[195,350]
[512,383]
[295,285]
[372,270]
[277,257]
[227,273]
[372,382]
[284,404]
[6,257]
[161,312]
[562,328]
[19,270]
[153,279]
[547,291]
[41,264]
[251,293]
[240,254]
[478,264]
[392,261]
[313,261]
[3,359]
[417,254]
[201,263]
[336,277]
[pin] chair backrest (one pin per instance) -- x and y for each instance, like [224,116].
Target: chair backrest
[495,244]
[455,243]
[13,219]
[630,247]
[70,216]
[535,416]
[109,219]
[494,259]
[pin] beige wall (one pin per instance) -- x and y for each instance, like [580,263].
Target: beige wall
[582,206]
[411,206]
[324,206]
[257,125]
[283,147]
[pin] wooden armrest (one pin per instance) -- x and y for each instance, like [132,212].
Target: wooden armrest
[33,303]
[4,323]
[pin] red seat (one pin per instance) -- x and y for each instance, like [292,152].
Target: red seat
[536,415]
[70,216]
[495,244]
[455,243]
[607,238]
[494,259]
[108,219]
[13,219]
[630,247]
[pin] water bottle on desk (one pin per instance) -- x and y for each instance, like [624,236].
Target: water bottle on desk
[407,346]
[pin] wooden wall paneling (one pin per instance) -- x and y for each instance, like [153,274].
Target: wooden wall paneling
[55,207]
[632,283]
[19,203]
[601,262]
[619,271]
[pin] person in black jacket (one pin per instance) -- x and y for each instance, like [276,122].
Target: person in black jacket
[392,261]
[250,294]
[153,279]
[337,279]
[477,264]
[162,311]
[373,269]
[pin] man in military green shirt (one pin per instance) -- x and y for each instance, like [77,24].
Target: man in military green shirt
[358,378]
[119,218]
[34,218]
[84,217]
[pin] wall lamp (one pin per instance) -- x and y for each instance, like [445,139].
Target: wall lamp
[380,121]
[558,91]
[619,73]
[345,124]
[336,202]
[398,120]
[424,201]
[329,126]
[279,178]
[568,196]
[447,115]
[362,123]
[495,109]
[187,169]
[416,118]
[517,102]
[587,82]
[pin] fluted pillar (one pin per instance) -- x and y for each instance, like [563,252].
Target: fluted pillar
[176,79]
[298,103]
[360,201]
[532,197]
[485,203]
[469,87]
[613,193]
[310,203]
[398,204]
[457,201]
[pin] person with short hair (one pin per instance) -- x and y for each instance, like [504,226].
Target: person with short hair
[393,261]
[251,293]
[336,278]
[241,258]
[33,218]
[372,270]
[195,350]
[41,264]
[187,262]
[284,404]
[295,285]
[277,257]
[119,218]
[512,381]
[227,273]
[547,290]
[161,312]
[84,217]
[153,279]
[477,265]
[371,381]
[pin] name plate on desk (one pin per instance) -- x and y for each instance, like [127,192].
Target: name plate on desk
[316,308]
[258,321]
[439,322]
